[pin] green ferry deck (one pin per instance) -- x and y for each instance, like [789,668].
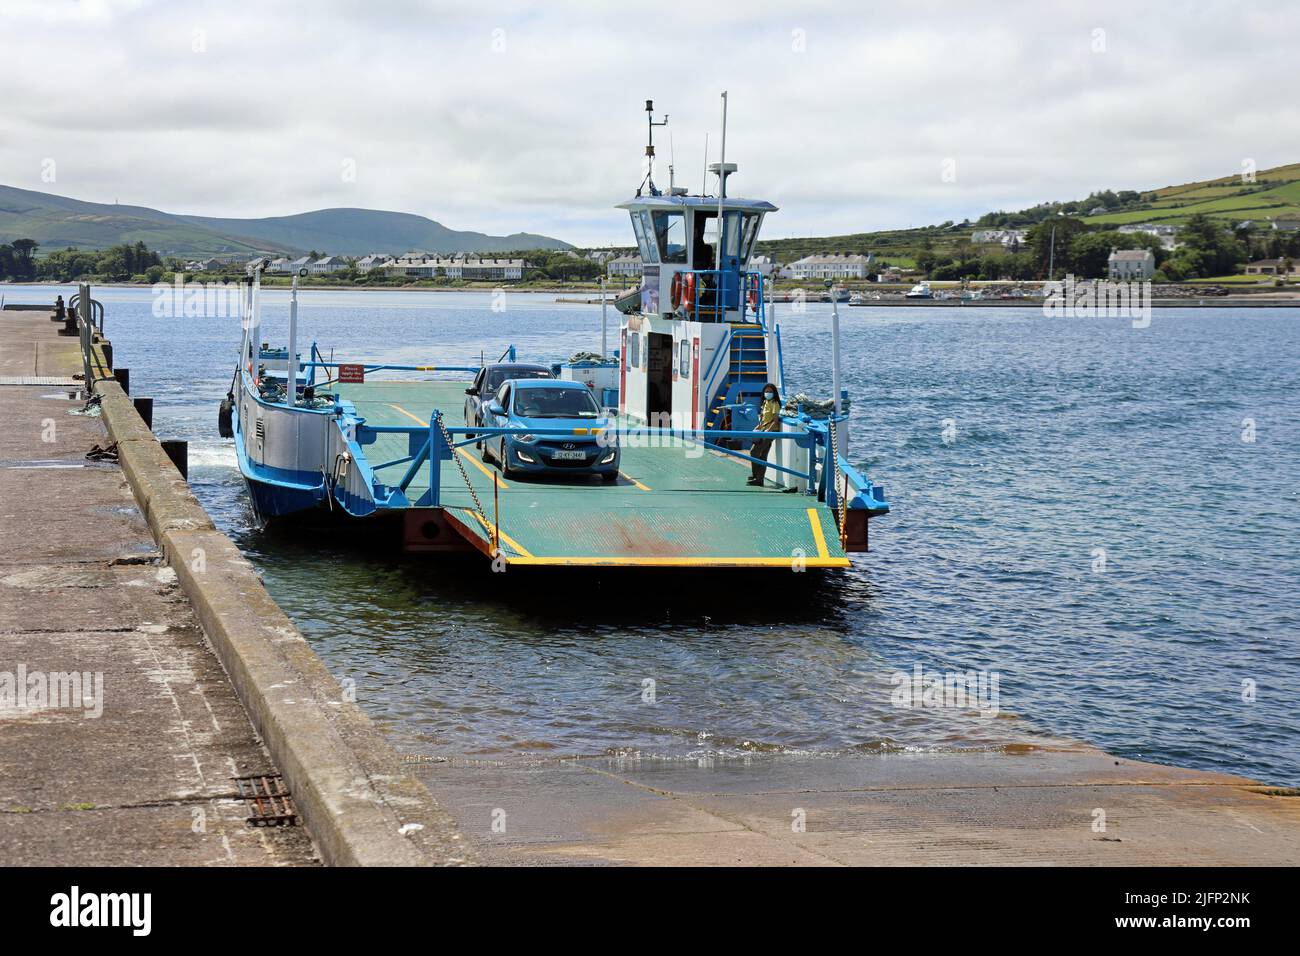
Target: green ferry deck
[670,507]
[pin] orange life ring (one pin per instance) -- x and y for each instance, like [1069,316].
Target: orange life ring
[688,292]
[676,293]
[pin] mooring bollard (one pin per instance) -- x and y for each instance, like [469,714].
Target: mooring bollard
[179,452]
[144,408]
[70,323]
[123,376]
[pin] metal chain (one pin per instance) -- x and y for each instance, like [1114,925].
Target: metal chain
[478,505]
[842,511]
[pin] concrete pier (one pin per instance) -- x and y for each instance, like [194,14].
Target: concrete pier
[143,667]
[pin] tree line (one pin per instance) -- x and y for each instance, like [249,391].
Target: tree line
[122,263]
[1065,244]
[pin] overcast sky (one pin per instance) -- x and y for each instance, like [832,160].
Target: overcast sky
[502,117]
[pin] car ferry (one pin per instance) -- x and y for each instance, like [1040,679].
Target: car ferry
[649,471]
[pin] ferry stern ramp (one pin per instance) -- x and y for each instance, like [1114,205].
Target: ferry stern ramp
[676,503]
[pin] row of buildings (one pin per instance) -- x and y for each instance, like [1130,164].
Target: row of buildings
[820,266]
[416,265]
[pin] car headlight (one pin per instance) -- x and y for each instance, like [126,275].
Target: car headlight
[526,439]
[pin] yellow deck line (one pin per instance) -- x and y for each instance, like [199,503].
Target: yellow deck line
[634,481]
[510,542]
[685,562]
[819,536]
[464,454]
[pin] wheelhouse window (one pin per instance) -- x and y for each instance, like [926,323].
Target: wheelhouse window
[705,238]
[752,222]
[670,236]
[644,242]
[731,238]
[706,235]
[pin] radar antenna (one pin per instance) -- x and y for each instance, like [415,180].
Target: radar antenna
[650,149]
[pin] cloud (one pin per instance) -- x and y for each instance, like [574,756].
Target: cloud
[523,117]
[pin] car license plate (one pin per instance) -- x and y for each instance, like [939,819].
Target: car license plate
[570,455]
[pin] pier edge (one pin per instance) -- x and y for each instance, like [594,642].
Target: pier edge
[359,806]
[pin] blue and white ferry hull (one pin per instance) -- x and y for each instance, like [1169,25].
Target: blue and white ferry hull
[278,459]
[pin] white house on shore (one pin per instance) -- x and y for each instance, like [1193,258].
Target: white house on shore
[327,264]
[624,267]
[1005,237]
[1130,264]
[1168,235]
[474,268]
[832,266]
[1273,267]
[456,267]
[373,261]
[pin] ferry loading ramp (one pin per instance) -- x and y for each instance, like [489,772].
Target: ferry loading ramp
[674,504]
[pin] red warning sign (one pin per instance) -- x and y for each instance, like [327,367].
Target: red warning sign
[352,374]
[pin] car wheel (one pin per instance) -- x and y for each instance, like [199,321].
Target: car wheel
[506,470]
[609,477]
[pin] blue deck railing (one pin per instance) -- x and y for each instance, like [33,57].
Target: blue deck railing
[428,446]
[719,291]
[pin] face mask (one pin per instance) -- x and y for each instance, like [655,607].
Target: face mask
[770,396]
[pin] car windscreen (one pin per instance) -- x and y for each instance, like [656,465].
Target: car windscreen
[562,402]
[495,376]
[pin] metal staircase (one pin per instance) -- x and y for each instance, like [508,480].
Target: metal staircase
[747,372]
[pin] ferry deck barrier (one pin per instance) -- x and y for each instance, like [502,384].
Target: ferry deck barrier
[318,361]
[436,449]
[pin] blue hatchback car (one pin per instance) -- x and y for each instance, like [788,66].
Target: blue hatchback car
[571,419]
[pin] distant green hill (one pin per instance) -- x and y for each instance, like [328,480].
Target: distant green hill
[57,222]
[1275,194]
[355,232]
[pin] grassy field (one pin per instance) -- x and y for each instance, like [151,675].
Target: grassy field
[1275,193]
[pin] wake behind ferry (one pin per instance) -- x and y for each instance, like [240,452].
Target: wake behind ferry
[639,459]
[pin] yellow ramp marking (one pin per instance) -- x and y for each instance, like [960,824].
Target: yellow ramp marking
[819,536]
[511,542]
[684,562]
[634,481]
[464,454]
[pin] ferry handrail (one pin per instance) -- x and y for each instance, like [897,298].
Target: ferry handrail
[803,439]
[748,279]
[395,368]
[780,357]
[715,364]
